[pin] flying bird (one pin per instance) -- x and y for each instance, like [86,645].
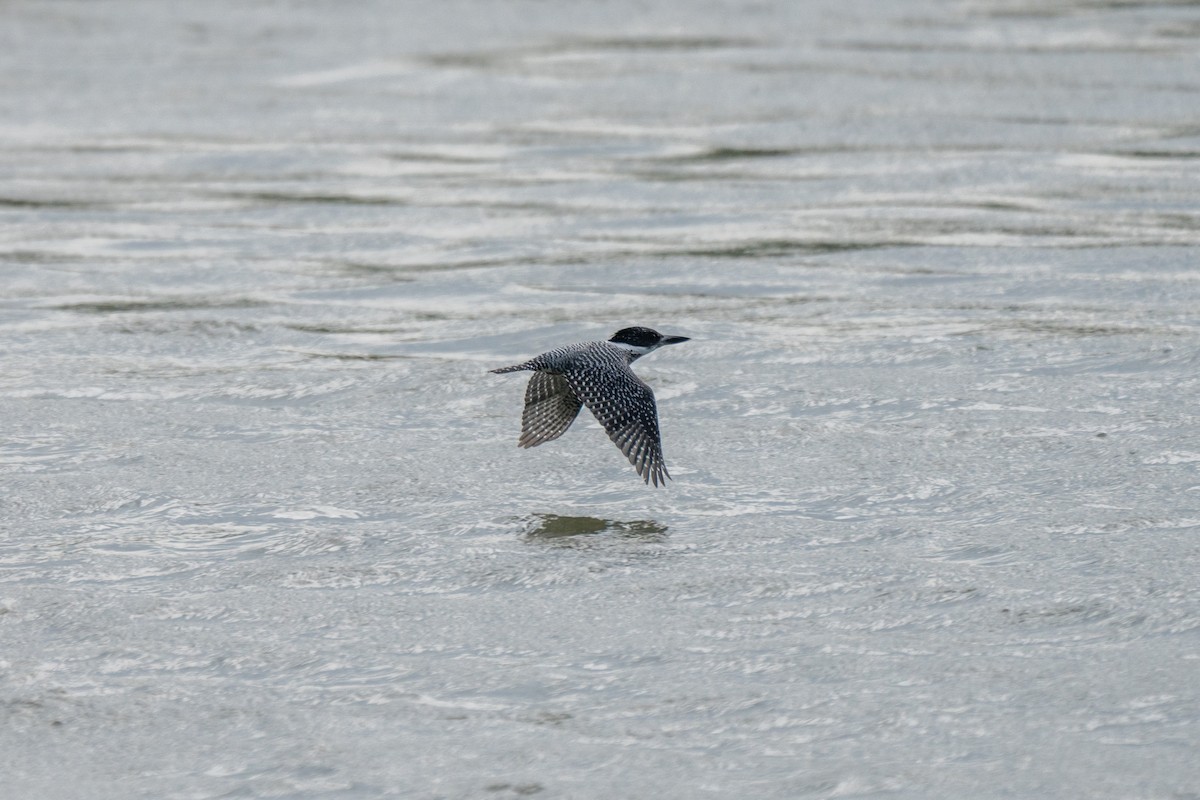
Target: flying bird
[597,374]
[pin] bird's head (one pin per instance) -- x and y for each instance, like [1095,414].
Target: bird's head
[643,340]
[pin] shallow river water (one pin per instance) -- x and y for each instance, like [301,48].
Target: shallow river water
[934,529]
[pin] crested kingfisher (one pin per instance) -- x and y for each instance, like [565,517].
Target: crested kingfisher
[597,374]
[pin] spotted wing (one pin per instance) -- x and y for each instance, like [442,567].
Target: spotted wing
[625,406]
[550,408]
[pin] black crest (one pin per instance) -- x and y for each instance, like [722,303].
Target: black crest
[637,337]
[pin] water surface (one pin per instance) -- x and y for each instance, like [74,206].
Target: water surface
[265,528]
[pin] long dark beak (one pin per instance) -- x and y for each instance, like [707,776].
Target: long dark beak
[674,339]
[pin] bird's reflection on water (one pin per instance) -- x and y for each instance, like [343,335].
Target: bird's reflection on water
[553,527]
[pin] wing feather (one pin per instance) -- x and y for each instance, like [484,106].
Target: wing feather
[625,406]
[550,408]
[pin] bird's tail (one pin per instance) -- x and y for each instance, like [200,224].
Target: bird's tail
[514,368]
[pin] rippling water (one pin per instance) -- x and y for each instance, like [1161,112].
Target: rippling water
[932,533]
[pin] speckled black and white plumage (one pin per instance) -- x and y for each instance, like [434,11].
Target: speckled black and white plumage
[598,375]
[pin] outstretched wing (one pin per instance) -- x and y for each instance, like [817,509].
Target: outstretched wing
[624,405]
[550,408]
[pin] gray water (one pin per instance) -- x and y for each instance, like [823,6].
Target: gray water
[932,533]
